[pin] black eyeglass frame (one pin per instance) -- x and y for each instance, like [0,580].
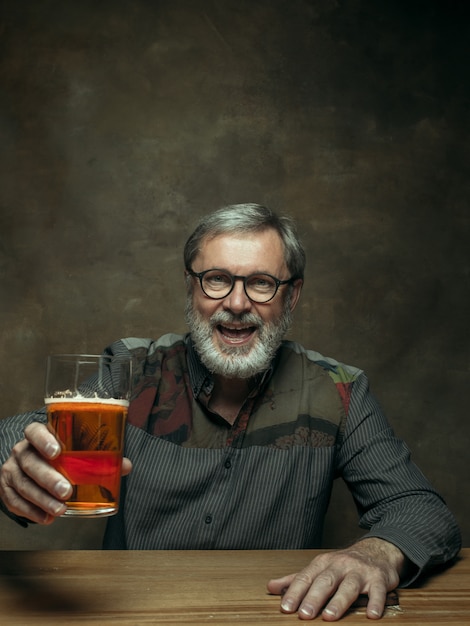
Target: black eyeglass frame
[235,277]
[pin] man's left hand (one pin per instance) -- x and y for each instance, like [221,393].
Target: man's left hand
[332,582]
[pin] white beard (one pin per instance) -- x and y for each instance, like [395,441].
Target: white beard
[237,361]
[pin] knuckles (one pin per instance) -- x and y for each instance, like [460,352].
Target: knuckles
[352,571]
[304,577]
[7,472]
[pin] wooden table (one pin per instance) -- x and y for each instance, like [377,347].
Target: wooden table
[191,587]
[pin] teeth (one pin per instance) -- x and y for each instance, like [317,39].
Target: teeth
[237,332]
[236,327]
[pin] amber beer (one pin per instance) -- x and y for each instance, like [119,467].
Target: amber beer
[91,434]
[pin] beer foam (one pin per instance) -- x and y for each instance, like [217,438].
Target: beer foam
[66,398]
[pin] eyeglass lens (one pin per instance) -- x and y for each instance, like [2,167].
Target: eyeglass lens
[259,287]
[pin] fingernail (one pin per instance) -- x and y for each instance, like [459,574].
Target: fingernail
[52,450]
[331,611]
[62,488]
[58,509]
[306,610]
[287,606]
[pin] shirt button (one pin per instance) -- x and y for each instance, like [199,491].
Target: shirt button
[228,463]
[208,519]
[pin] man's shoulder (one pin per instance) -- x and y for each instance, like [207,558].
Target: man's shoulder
[340,372]
[139,345]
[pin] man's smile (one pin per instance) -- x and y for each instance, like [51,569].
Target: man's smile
[235,334]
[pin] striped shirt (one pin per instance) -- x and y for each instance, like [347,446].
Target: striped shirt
[265,481]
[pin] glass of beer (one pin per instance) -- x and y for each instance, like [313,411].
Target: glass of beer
[87,398]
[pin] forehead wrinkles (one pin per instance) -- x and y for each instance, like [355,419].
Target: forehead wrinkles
[243,253]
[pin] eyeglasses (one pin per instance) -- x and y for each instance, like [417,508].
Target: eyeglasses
[259,288]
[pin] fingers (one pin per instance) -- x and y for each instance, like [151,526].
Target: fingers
[309,592]
[331,583]
[329,594]
[278,586]
[126,466]
[29,486]
[347,593]
[24,498]
[377,601]
[42,440]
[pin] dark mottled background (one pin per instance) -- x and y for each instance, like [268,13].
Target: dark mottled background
[123,121]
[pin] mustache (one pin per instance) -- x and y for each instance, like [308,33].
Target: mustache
[226,317]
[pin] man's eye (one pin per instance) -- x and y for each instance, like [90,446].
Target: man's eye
[261,283]
[217,280]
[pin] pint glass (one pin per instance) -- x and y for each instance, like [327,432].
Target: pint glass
[87,398]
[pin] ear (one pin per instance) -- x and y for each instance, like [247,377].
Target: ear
[295,294]
[188,282]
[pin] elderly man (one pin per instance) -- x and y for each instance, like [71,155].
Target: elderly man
[235,435]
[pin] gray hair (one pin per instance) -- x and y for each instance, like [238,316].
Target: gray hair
[244,218]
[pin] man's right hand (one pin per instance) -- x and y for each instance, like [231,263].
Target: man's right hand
[29,486]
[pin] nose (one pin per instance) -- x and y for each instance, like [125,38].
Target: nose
[237,301]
